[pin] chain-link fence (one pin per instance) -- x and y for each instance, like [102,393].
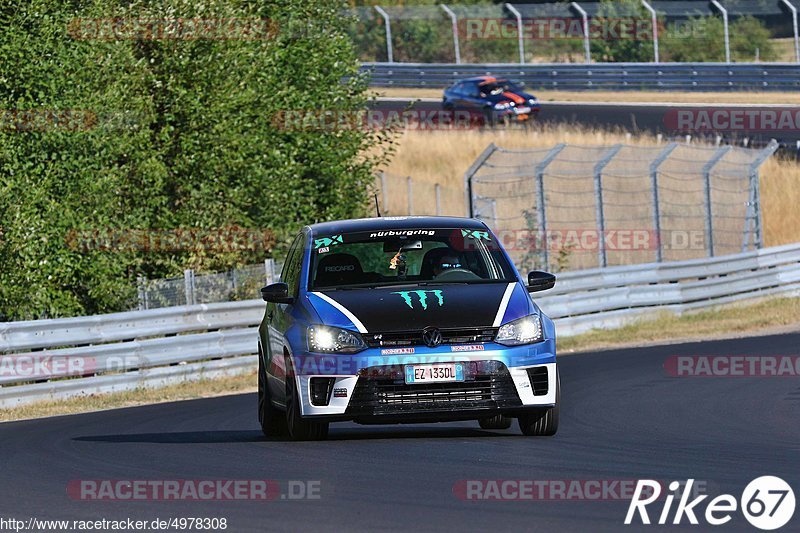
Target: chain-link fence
[568,32]
[405,195]
[237,284]
[574,207]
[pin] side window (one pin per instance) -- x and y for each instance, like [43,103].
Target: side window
[291,269]
[474,90]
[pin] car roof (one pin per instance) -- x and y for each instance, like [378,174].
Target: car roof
[481,79]
[386,223]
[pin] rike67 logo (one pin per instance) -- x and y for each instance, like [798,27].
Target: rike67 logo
[767,503]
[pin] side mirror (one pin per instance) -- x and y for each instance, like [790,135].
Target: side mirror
[276,293]
[540,281]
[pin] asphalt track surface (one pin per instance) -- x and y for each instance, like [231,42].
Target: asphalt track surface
[636,118]
[623,417]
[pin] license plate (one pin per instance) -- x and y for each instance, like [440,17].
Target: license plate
[434,373]
[521,110]
[522,117]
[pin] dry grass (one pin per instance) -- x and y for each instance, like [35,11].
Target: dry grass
[788,98]
[443,156]
[780,196]
[206,388]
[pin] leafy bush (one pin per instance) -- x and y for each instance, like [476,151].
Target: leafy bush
[702,39]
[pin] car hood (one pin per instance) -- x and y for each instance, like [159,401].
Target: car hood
[415,308]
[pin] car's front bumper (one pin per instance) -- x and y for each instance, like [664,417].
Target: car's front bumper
[369,387]
[517,114]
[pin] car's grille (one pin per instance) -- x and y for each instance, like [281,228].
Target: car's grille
[538,377]
[383,391]
[414,338]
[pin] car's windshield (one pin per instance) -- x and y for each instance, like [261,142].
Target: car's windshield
[498,87]
[414,256]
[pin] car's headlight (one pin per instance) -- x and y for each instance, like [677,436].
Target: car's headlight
[503,106]
[328,339]
[524,330]
[532,101]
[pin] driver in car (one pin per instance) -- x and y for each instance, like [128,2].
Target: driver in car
[445,263]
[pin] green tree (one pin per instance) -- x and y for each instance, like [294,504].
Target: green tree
[187,135]
[627,32]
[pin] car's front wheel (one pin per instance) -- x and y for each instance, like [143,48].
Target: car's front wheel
[273,421]
[300,429]
[542,422]
[495,422]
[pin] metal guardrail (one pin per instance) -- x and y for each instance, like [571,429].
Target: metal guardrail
[123,351]
[598,76]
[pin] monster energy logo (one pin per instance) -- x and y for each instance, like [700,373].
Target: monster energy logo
[423,297]
[327,241]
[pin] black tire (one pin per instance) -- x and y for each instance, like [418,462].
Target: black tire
[542,422]
[489,119]
[495,422]
[300,429]
[273,421]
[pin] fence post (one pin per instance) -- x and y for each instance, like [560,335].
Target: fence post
[654,186]
[654,21]
[707,180]
[454,20]
[599,207]
[794,27]
[585,17]
[188,286]
[383,191]
[269,270]
[409,195]
[541,213]
[755,197]
[725,29]
[141,293]
[471,171]
[437,189]
[388,22]
[520,40]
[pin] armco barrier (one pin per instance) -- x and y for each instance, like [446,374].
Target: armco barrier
[163,346]
[598,76]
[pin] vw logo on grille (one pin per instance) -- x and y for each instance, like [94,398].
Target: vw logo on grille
[432,337]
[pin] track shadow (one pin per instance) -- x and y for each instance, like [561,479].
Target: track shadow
[337,434]
[410,432]
[185,437]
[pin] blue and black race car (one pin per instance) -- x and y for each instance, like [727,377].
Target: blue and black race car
[496,100]
[402,320]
